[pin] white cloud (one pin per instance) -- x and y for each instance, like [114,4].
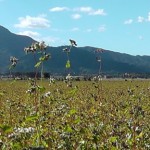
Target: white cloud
[49,40]
[32,34]
[75,29]
[76,16]
[144,19]
[140,19]
[100,12]
[148,19]
[33,22]
[58,9]
[102,28]
[129,21]
[84,9]
[91,11]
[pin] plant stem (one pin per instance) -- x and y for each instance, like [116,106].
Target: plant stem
[42,68]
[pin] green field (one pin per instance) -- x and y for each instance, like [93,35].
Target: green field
[88,115]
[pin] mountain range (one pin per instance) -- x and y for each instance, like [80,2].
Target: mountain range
[83,59]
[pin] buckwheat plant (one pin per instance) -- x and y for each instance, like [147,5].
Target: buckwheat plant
[68,63]
[13,61]
[39,47]
[99,60]
[99,77]
[36,90]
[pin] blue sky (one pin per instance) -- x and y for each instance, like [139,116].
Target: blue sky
[117,25]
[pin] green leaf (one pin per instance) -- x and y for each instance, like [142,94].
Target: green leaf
[113,139]
[42,58]
[68,65]
[44,144]
[38,64]
[41,88]
[32,118]
[72,111]
[78,120]
[73,92]
[140,135]
[6,128]
[17,146]
[114,148]
[68,129]
[1,93]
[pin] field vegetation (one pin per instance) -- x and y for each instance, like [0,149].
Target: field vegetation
[81,115]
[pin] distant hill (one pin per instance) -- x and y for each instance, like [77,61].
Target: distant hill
[83,59]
